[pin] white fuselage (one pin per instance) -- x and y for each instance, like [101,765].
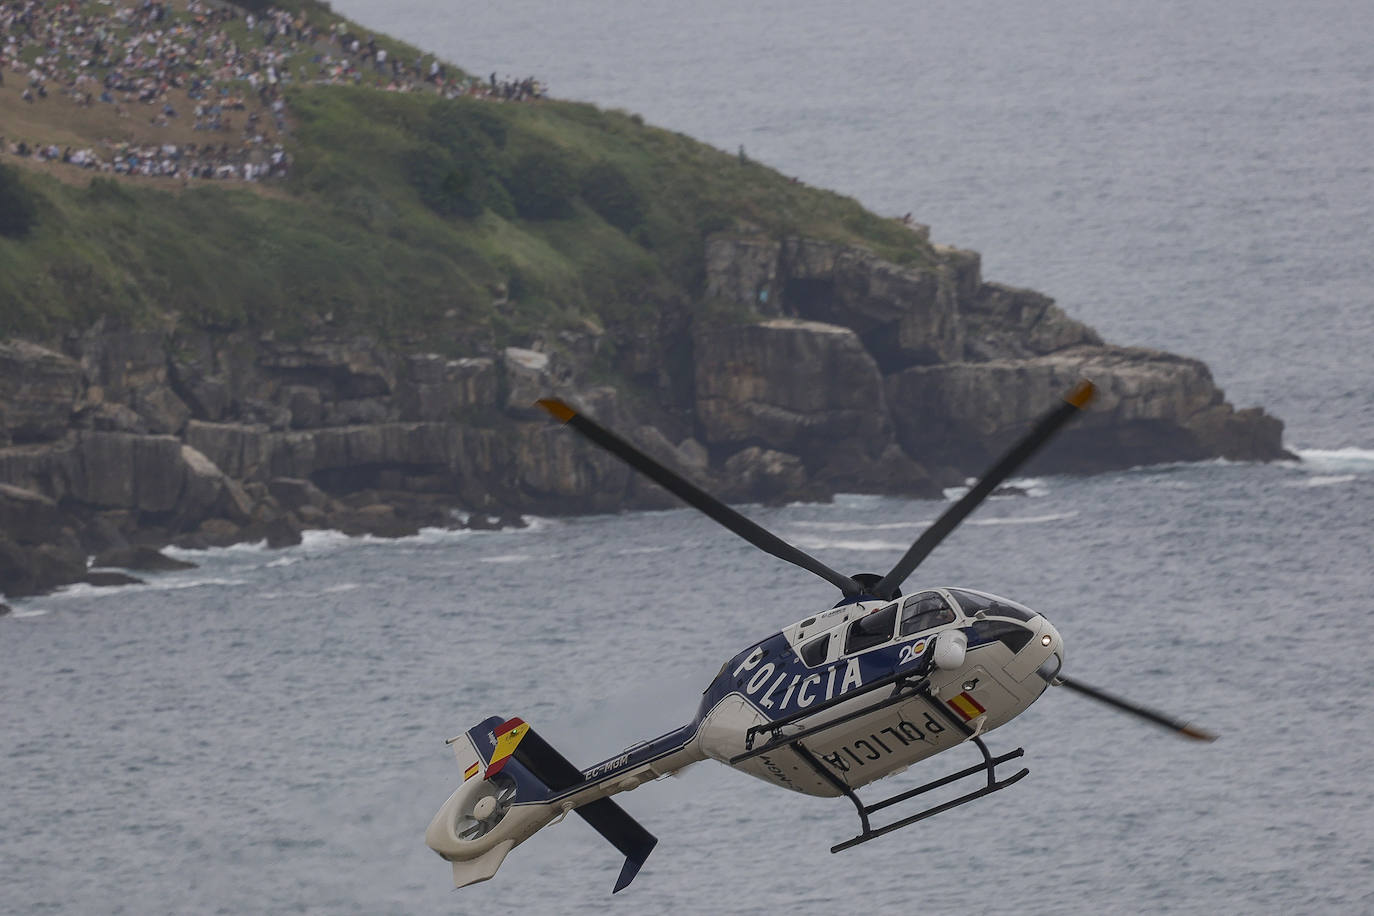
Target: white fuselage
[988,686]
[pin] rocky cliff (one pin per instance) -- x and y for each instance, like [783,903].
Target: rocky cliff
[824,368]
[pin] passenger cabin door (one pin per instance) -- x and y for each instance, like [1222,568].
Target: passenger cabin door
[870,631]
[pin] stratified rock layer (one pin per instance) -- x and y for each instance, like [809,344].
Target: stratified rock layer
[837,371]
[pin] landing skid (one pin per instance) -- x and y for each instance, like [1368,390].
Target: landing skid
[988,765]
[904,685]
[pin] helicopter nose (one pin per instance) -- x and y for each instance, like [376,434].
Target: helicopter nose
[1051,646]
[1043,652]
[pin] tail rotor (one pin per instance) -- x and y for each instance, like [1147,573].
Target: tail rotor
[485,809]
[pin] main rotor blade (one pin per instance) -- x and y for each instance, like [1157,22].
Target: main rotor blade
[1158,718]
[1018,455]
[697,498]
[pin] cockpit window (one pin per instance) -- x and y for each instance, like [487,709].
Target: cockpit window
[923,611]
[993,607]
[814,652]
[871,630]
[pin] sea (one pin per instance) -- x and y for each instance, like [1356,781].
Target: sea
[265,733]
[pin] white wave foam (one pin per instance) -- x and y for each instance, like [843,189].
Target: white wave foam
[919,525]
[636,551]
[1337,460]
[341,587]
[183,553]
[85,590]
[1034,487]
[1024,519]
[169,586]
[1324,480]
[22,612]
[821,543]
[165,584]
[852,501]
[915,525]
[436,536]
[317,538]
[316,541]
[844,544]
[507,558]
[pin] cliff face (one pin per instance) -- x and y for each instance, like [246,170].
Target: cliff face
[964,366]
[851,374]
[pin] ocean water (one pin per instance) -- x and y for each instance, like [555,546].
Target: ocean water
[265,733]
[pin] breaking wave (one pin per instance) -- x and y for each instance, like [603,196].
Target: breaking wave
[914,526]
[862,526]
[844,544]
[1329,461]
[163,584]
[1324,480]
[1034,487]
[1024,519]
[818,542]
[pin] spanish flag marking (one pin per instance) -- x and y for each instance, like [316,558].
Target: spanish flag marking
[967,707]
[471,772]
[507,736]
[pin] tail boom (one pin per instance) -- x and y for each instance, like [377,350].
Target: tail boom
[516,783]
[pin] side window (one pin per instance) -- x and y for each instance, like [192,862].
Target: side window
[923,611]
[871,630]
[814,652]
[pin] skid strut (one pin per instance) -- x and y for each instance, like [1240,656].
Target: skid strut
[994,784]
[904,686]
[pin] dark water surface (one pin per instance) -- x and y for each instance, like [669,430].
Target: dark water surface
[264,733]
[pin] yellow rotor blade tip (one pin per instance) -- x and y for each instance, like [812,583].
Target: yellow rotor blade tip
[1082,393]
[560,411]
[1198,734]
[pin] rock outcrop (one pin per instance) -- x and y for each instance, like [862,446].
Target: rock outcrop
[1151,407]
[805,389]
[838,371]
[38,392]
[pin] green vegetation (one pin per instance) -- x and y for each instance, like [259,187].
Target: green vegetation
[17,209]
[403,210]
[608,192]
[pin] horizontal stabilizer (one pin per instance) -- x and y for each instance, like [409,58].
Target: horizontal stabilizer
[624,832]
[607,818]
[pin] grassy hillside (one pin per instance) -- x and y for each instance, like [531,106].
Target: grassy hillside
[403,209]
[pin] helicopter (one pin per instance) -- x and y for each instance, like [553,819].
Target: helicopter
[823,707]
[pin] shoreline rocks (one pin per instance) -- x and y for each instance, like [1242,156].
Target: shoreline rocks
[840,371]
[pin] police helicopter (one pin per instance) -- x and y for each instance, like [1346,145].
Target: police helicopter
[831,703]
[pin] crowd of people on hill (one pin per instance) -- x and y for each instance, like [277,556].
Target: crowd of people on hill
[134,54]
[165,160]
[362,59]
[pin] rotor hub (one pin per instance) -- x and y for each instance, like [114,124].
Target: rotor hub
[485,807]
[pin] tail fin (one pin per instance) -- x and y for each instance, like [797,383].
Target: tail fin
[625,834]
[605,816]
[521,774]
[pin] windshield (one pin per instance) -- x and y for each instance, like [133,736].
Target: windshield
[991,605]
